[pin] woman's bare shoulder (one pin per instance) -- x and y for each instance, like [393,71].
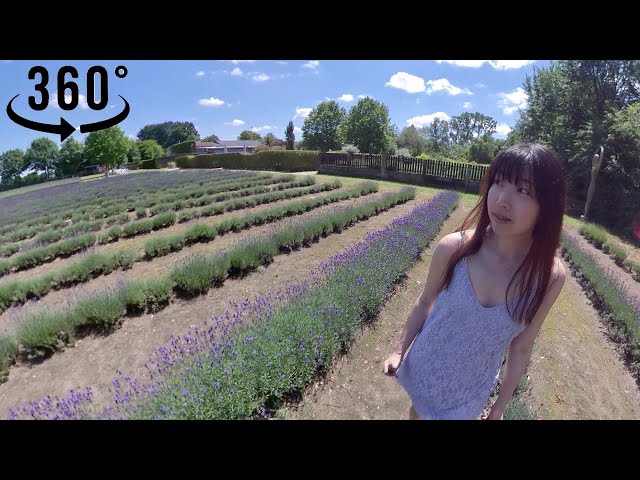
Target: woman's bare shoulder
[454,240]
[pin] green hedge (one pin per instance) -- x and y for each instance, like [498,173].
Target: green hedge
[276,160]
[151,163]
[183,148]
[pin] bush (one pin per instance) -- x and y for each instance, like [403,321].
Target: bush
[148,164]
[181,148]
[104,309]
[350,149]
[199,273]
[276,160]
[8,351]
[158,293]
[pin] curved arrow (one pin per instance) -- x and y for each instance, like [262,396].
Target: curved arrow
[64,129]
[109,122]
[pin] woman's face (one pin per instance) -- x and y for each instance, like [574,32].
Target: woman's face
[518,203]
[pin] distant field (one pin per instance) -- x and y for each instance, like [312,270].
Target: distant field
[57,183]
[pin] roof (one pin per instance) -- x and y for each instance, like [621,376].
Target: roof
[229,143]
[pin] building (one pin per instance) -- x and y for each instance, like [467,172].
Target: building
[226,146]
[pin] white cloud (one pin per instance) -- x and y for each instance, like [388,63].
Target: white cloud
[407,82]
[465,63]
[511,102]
[502,129]
[211,102]
[480,85]
[424,120]
[496,64]
[345,97]
[302,112]
[510,64]
[312,64]
[282,63]
[364,96]
[297,131]
[442,84]
[200,73]
[82,101]
[235,62]
[261,77]
[285,75]
[236,72]
[467,105]
[261,129]
[235,123]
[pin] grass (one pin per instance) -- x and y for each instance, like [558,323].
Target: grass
[517,408]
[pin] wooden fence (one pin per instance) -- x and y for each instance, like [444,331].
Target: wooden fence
[404,169]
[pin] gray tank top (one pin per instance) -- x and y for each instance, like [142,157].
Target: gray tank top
[454,362]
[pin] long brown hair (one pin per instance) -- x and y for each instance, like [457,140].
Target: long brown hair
[548,177]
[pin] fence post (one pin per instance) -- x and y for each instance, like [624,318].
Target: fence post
[423,171]
[467,176]
[383,166]
[349,157]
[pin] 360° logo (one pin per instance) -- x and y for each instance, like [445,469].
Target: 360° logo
[64,129]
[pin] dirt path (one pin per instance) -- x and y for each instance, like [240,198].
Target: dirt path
[95,360]
[574,370]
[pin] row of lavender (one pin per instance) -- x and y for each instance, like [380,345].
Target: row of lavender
[620,306]
[93,217]
[94,205]
[245,362]
[40,203]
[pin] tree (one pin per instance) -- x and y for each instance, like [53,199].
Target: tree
[11,164]
[320,128]
[107,147]
[411,139]
[133,154]
[368,127]
[70,158]
[169,133]
[270,140]
[576,106]
[210,138]
[249,135]
[42,155]
[465,127]
[437,136]
[482,150]
[150,149]
[290,136]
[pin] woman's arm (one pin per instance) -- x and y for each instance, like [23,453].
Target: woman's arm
[521,347]
[424,303]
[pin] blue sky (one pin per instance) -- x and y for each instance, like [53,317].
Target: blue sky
[224,97]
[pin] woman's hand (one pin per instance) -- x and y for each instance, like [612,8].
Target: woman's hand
[391,364]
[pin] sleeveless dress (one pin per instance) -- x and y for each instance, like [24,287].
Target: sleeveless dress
[454,363]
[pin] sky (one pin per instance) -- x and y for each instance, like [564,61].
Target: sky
[224,97]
